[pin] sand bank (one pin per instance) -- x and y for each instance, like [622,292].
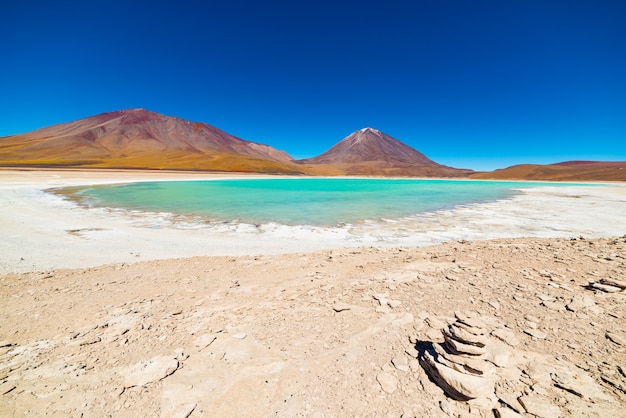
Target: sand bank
[42,231]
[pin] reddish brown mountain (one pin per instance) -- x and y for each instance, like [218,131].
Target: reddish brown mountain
[371,152]
[138,138]
[565,171]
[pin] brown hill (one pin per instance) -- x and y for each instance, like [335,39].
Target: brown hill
[138,138]
[564,171]
[371,152]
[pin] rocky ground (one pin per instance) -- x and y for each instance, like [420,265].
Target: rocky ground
[532,327]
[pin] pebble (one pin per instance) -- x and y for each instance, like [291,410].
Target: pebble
[400,362]
[580,302]
[606,288]
[505,335]
[617,339]
[533,332]
[394,303]
[388,383]
[338,307]
[505,413]
[150,371]
[204,341]
[240,336]
[540,406]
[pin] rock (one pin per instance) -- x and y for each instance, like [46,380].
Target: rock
[474,322]
[6,387]
[617,339]
[240,336]
[554,306]
[506,413]
[339,307]
[469,364]
[540,406]
[606,288]
[458,347]
[400,362]
[579,302]
[449,408]
[579,383]
[494,305]
[204,341]
[505,335]
[498,354]
[614,282]
[535,333]
[182,411]
[510,399]
[150,371]
[387,382]
[465,336]
[457,385]
[394,303]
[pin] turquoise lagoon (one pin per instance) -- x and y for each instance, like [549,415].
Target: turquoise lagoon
[297,201]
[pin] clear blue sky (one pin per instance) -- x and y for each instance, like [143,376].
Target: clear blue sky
[476,84]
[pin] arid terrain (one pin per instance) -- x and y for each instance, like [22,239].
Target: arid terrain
[333,333]
[106,314]
[565,171]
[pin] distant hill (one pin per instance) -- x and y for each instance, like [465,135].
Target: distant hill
[140,139]
[564,171]
[371,152]
[137,138]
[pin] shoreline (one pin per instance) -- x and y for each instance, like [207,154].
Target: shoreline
[41,229]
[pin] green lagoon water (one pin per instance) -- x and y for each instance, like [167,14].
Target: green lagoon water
[307,201]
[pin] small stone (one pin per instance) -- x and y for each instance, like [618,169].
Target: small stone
[394,303]
[614,282]
[536,333]
[448,407]
[580,302]
[150,371]
[554,306]
[204,341]
[505,335]
[494,305]
[240,336]
[383,309]
[506,413]
[339,307]
[183,411]
[606,288]
[540,406]
[400,362]
[387,382]
[617,339]
[6,387]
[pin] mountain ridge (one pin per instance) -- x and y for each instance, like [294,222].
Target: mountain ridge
[138,138]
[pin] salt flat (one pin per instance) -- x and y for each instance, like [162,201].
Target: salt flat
[41,230]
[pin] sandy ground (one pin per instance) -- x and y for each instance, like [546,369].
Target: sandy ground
[274,331]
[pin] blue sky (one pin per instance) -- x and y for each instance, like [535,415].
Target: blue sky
[474,84]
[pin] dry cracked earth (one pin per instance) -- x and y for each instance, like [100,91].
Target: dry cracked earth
[505,328]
